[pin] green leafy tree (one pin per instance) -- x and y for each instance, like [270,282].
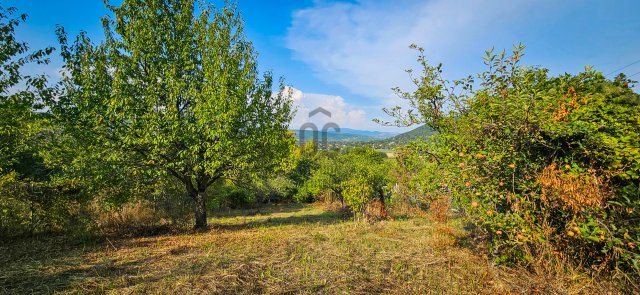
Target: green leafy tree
[303,161]
[355,177]
[367,180]
[31,198]
[331,170]
[176,90]
[357,193]
[21,96]
[29,201]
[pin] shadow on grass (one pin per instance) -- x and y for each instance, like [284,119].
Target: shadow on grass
[260,210]
[70,268]
[53,264]
[264,219]
[474,239]
[90,277]
[324,219]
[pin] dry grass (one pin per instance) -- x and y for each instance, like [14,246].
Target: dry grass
[279,249]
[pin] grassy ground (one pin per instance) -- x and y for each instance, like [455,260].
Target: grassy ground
[278,249]
[389,152]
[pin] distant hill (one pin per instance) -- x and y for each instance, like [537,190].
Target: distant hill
[334,136]
[367,133]
[422,131]
[378,139]
[347,135]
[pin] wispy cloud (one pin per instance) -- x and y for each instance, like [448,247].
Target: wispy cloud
[363,45]
[342,113]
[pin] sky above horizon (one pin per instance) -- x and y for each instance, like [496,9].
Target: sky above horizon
[345,56]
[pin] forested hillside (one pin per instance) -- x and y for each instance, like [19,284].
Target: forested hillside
[422,132]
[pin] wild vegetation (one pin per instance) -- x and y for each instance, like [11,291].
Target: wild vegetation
[522,181]
[547,168]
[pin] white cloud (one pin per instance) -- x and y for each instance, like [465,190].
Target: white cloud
[342,113]
[295,94]
[363,46]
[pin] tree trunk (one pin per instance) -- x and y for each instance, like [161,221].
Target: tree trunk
[201,210]
[383,205]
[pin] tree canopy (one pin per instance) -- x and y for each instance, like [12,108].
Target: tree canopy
[20,95]
[176,87]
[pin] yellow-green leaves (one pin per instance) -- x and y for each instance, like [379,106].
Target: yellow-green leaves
[499,147]
[180,88]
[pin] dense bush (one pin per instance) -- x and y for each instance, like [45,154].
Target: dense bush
[355,177]
[30,201]
[547,167]
[29,207]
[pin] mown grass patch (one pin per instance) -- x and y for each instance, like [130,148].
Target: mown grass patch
[278,249]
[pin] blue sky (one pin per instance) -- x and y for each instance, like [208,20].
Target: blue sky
[346,55]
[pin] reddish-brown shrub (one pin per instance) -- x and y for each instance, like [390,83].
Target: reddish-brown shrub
[572,191]
[439,209]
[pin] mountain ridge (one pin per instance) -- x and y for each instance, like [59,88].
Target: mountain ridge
[356,135]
